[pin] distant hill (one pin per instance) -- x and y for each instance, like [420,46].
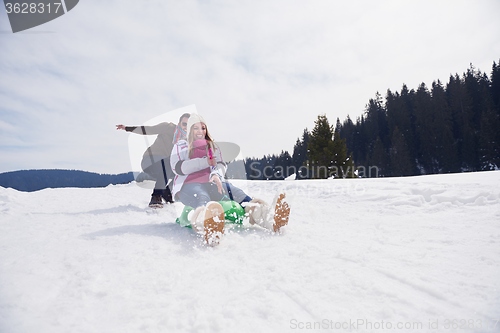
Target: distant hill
[34,180]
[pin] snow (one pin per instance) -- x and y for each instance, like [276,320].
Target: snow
[357,255]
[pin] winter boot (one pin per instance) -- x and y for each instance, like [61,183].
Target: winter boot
[258,211]
[281,212]
[209,221]
[167,195]
[196,219]
[156,199]
[214,222]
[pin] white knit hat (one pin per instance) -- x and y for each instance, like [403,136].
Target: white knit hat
[194,119]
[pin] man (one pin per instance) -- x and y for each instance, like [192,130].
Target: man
[156,159]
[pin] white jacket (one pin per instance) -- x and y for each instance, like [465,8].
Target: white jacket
[182,165]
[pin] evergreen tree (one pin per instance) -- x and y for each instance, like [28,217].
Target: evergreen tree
[399,155]
[489,147]
[487,132]
[426,131]
[328,151]
[282,166]
[268,167]
[376,120]
[407,127]
[339,156]
[445,153]
[300,155]
[320,148]
[471,118]
[350,167]
[379,158]
[495,119]
[495,86]
[347,131]
[360,146]
[399,115]
[253,168]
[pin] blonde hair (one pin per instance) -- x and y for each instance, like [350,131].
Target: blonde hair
[210,141]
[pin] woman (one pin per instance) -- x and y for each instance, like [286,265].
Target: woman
[200,182]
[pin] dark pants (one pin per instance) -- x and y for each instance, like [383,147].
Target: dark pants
[159,171]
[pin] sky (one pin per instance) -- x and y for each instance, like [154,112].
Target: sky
[260,72]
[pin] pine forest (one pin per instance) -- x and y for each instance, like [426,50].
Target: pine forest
[446,128]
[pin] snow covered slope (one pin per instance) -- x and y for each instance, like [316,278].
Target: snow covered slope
[416,254]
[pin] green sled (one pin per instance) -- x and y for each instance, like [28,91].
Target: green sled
[233,213]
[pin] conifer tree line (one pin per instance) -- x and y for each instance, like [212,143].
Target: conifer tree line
[318,154]
[452,127]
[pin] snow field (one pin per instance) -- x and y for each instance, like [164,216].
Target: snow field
[397,250]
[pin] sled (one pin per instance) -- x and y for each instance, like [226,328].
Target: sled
[233,213]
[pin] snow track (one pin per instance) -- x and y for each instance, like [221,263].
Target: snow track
[397,250]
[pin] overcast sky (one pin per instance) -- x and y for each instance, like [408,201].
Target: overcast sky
[260,72]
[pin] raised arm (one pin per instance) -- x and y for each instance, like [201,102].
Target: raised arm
[148,130]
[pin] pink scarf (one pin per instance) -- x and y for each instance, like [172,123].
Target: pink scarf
[200,148]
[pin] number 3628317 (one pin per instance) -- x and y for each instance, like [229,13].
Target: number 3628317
[32,8]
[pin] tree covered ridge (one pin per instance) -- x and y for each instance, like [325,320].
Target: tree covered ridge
[34,180]
[452,127]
